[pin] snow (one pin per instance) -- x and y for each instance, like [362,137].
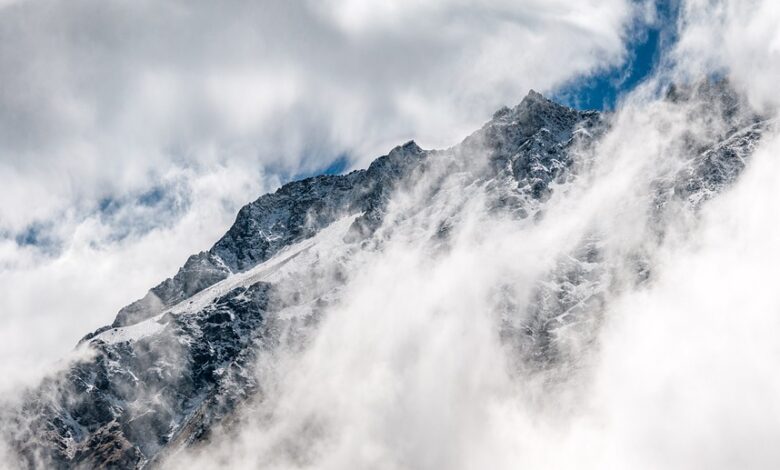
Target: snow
[300,254]
[132,332]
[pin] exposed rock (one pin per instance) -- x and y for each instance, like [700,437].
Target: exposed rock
[179,361]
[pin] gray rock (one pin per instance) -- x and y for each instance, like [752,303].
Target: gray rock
[139,398]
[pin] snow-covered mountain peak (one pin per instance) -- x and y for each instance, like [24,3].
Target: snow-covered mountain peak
[204,345]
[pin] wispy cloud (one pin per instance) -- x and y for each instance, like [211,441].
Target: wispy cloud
[103,102]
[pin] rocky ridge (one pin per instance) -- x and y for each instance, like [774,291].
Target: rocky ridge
[180,361]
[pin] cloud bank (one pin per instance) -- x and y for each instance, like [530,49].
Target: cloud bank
[131,132]
[408,371]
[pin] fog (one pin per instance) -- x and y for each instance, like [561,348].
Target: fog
[667,361]
[132,132]
[409,369]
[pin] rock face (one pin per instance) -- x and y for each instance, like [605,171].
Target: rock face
[180,361]
[122,407]
[295,212]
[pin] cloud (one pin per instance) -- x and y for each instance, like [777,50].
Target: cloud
[105,93]
[54,295]
[740,39]
[407,371]
[399,376]
[207,106]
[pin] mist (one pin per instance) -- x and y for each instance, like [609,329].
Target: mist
[415,346]
[131,133]
[674,369]
[412,368]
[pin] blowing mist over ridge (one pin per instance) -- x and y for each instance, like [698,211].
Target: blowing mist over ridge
[457,308]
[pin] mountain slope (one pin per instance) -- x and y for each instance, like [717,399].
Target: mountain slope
[177,364]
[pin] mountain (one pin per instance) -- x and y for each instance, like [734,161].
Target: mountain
[180,364]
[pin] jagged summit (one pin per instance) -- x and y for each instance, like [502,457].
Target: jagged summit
[529,100]
[534,96]
[299,209]
[410,146]
[535,112]
[296,211]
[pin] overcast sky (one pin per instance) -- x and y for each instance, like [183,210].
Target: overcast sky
[132,131]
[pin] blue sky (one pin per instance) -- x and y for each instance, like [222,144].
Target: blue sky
[603,90]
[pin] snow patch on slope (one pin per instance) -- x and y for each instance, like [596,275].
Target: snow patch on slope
[303,253]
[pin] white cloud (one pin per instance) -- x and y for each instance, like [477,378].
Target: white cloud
[104,101]
[407,372]
[103,92]
[740,38]
[684,376]
[50,301]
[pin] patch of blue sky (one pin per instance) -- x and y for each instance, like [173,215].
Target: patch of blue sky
[338,165]
[38,235]
[33,234]
[137,215]
[647,44]
[132,215]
